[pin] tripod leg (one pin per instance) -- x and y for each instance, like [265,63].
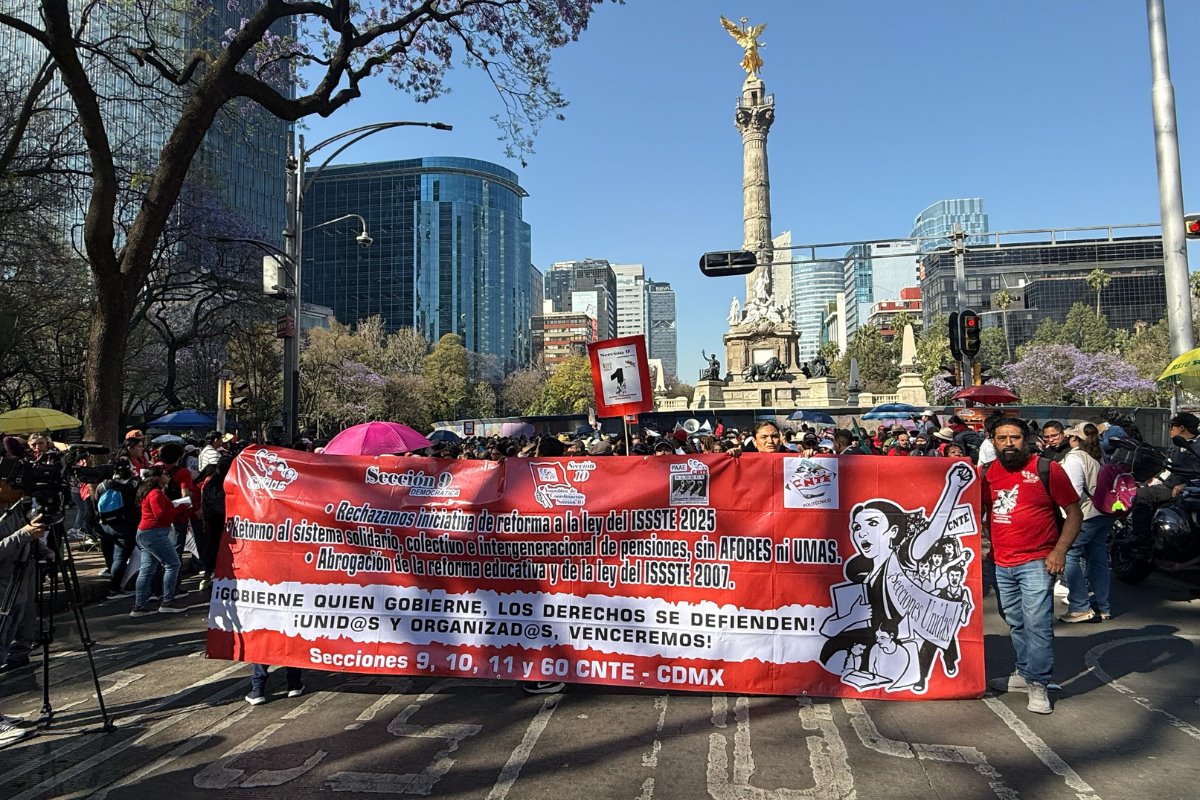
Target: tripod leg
[45,609]
[70,579]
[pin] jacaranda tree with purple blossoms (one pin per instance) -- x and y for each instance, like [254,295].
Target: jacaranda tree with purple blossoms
[1061,373]
[411,43]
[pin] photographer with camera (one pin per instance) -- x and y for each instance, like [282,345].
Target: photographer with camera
[15,546]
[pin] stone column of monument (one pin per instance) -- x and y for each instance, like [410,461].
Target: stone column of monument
[911,389]
[753,117]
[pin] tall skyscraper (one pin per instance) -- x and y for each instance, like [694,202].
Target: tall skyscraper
[939,219]
[632,299]
[242,161]
[815,285]
[587,287]
[876,272]
[451,252]
[662,333]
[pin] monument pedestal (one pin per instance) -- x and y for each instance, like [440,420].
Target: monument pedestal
[709,394]
[823,392]
[911,390]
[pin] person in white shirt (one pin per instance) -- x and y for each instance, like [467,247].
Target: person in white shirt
[1087,560]
[212,451]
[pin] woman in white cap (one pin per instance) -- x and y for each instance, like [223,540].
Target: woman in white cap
[1087,560]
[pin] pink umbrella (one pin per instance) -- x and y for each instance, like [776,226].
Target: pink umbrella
[376,439]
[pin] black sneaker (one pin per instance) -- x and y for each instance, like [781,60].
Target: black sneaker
[181,592]
[118,594]
[543,687]
[172,606]
[143,611]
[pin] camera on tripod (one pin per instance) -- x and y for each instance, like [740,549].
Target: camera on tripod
[47,483]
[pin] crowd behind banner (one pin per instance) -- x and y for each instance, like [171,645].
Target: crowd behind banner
[195,470]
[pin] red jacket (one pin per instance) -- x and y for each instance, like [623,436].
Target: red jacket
[157,511]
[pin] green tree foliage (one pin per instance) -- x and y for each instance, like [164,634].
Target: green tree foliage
[446,377]
[568,390]
[878,360]
[1098,280]
[522,389]
[933,347]
[254,358]
[1082,329]
[993,347]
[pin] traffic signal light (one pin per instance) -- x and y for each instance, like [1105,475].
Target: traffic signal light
[953,374]
[236,393]
[955,345]
[969,338]
[728,262]
[1191,226]
[981,373]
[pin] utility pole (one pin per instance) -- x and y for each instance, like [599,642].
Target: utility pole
[1170,184]
[291,344]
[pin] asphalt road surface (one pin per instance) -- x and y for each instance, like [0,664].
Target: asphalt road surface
[1126,725]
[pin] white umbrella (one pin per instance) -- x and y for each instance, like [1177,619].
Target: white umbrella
[167,438]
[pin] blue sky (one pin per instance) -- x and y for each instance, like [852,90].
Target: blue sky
[1041,107]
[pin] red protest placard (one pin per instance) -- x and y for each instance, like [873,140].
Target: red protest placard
[621,376]
[765,574]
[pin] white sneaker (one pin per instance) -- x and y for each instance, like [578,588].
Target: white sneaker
[1009,683]
[10,732]
[1060,589]
[1039,700]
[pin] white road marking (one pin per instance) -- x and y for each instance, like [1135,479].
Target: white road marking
[117,749]
[827,754]
[651,759]
[79,740]
[1043,751]
[647,789]
[1092,659]
[520,754]
[413,783]
[394,690]
[870,736]
[181,749]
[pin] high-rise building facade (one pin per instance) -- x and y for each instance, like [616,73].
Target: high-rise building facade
[939,219]
[876,272]
[240,169]
[632,299]
[1044,279]
[662,333]
[588,286]
[558,335]
[815,286]
[451,252]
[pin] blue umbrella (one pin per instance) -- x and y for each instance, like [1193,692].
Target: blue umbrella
[892,411]
[445,435]
[819,417]
[187,418]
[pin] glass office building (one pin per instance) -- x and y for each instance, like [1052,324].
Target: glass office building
[451,253]
[815,284]
[662,335]
[938,220]
[1046,278]
[874,273]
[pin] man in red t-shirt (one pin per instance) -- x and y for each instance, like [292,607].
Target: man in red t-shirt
[1030,540]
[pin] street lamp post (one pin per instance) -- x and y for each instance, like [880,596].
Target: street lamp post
[299,181]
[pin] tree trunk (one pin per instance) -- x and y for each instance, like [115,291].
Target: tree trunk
[103,375]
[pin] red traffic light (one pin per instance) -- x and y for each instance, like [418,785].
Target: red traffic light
[1191,226]
[971,322]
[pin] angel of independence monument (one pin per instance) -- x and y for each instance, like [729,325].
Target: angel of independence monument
[760,347]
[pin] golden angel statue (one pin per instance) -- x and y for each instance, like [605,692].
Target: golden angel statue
[747,37]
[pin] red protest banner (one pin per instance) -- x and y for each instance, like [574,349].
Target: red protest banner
[621,376]
[765,574]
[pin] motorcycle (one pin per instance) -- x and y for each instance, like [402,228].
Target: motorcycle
[1172,543]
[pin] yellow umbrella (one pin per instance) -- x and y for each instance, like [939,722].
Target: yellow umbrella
[36,420]
[1184,370]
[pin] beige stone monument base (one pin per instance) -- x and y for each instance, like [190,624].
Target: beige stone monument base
[911,390]
[796,393]
[749,344]
[709,394]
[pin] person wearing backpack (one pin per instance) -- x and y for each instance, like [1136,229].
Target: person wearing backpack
[212,510]
[119,514]
[1087,560]
[1022,497]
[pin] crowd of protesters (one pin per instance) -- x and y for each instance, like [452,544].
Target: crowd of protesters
[167,504]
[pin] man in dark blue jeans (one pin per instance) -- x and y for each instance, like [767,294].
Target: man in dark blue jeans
[258,683]
[1022,497]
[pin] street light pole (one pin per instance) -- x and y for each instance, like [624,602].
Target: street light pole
[298,183]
